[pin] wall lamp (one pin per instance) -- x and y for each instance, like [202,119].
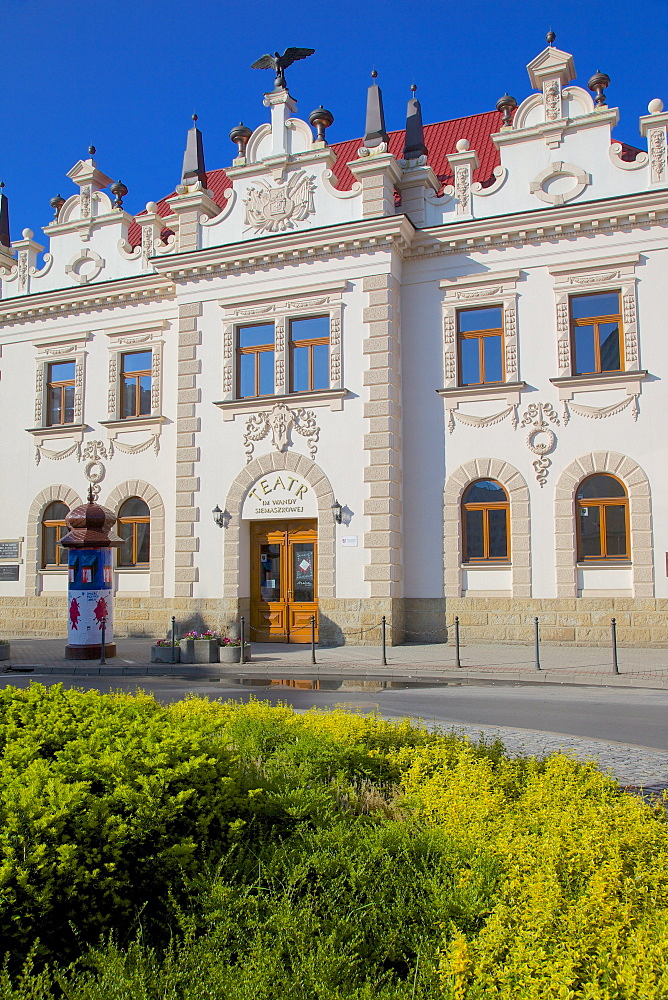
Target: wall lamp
[221,517]
[337,511]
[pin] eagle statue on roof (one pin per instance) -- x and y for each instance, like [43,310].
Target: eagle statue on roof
[279,63]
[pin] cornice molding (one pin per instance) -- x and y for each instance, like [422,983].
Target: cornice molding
[105,295]
[395,231]
[542,224]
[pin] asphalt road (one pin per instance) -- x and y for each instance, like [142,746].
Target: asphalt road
[631,716]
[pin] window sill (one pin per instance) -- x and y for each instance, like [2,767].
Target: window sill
[139,423]
[491,564]
[54,570]
[605,564]
[58,430]
[129,570]
[321,397]
[511,391]
[629,380]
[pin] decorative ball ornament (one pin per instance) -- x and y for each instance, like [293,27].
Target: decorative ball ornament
[463,145]
[27,234]
[655,106]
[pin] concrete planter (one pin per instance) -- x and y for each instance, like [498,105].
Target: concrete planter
[230,654]
[4,651]
[199,650]
[163,654]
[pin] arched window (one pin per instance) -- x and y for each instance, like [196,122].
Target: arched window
[134,527]
[53,529]
[485,522]
[603,519]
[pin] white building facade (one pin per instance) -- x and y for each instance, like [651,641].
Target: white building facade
[418,375]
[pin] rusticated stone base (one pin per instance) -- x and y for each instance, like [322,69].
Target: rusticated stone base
[578,621]
[584,621]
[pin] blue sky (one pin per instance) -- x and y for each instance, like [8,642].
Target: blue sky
[126,76]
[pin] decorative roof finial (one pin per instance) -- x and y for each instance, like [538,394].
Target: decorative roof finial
[119,190]
[57,203]
[241,134]
[194,116]
[92,150]
[597,84]
[91,495]
[279,63]
[506,105]
[374,132]
[414,146]
[5,237]
[550,37]
[321,119]
[193,159]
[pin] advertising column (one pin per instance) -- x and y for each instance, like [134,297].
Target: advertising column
[90,579]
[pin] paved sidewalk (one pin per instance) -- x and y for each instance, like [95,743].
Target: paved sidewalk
[588,665]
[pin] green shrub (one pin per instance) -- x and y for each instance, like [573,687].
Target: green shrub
[221,850]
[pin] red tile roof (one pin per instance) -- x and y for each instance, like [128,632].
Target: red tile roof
[441,140]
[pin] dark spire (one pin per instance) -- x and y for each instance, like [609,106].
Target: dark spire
[5,238]
[193,159]
[374,132]
[550,37]
[414,146]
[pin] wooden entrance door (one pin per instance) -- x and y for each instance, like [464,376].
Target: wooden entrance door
[283,580]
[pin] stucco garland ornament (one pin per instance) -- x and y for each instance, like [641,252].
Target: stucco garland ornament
[541,439]
[280,421]
[470,420]
[600,412]
[275,209]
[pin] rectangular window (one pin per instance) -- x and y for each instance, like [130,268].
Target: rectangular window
[309,353]
[136,384]
[60,390]
[255,358]
[480,338]
[596,331]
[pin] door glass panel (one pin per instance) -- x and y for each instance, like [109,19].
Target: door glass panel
[498,534]
[303,572]
[475,548]
[615,530]
[270,572]
[590,532]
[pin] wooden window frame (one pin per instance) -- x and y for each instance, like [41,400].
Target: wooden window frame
[257,351]
[135,376]
[310,343]
[485,508]
[481,335]
[595,321]
[602,503]
[134,520]
[61,384]
[61,554]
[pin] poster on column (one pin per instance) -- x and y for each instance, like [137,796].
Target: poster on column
[279,495]
[89,596]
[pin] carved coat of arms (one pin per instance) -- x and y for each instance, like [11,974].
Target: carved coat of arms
[275,209]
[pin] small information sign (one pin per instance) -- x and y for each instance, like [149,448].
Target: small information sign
[349,541]
[9,549]
[9,572]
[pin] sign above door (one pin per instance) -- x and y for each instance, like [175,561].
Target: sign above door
[279,495]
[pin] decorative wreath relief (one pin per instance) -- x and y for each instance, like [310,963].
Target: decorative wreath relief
[275,209]
[280,420]
[541,440]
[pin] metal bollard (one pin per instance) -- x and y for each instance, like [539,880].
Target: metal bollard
[383,627]
[458,662]
[312,638]
[173,639]
[613,627]
[103,650]
[242,636]
[536,645]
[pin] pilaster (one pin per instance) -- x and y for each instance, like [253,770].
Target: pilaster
[379,174]
[382,442]
[187,451]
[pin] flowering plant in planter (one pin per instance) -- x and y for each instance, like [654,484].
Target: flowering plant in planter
[225,640]
[162,642]
[209,634]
